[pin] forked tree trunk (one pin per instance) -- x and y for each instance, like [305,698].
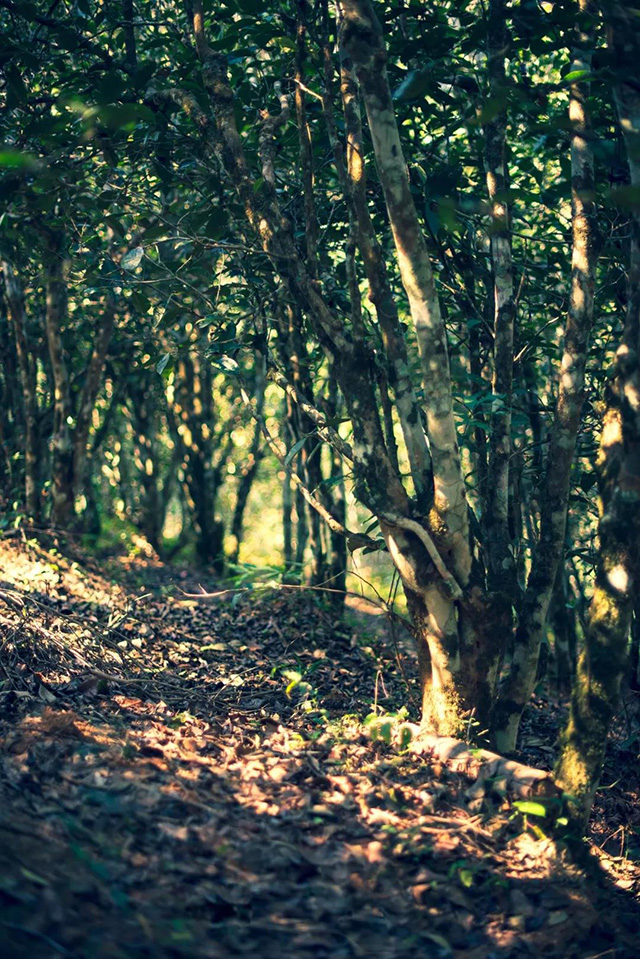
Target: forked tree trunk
[460,626]
[192,414]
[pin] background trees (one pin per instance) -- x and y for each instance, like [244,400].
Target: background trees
[414,220]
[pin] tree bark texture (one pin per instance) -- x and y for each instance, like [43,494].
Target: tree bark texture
[501,565]
[547,554]
[603,661]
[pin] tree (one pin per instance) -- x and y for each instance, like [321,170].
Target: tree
[420,283]
[603,660]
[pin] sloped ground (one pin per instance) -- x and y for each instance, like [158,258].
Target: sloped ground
[196,781]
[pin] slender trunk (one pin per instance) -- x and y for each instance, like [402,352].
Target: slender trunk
[18,318]
[477,387]
[352,172]
[146,427]
[305,152]
[250,468]
[129,31]
[62,510]
[12,426]
[287,533]
[565,642]
[501,566]
[89,394]
[338,563]
[634,650]
[362,39]
[518,686]
[302,532]
[603,662]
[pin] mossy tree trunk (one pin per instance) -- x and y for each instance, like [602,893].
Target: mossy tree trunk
[603,661]
[547,555]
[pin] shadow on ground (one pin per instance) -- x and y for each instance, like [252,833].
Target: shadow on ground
[196,781]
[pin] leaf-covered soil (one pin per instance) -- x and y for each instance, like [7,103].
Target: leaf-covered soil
[196,781]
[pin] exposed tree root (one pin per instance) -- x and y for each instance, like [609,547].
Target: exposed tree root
[491,772]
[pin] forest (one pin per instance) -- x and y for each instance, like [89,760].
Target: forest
[320,478]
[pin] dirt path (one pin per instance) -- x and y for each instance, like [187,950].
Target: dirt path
[218,794]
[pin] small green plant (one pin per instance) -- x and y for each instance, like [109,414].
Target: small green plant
[390,727]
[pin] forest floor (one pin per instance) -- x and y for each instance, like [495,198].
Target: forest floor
[196,780]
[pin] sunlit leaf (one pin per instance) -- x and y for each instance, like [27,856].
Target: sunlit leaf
[162,362]
[529,808]
[132,258]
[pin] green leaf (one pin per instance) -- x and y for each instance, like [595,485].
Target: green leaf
[576,75]
[294,449]
[132,258]
[415,84]
[162,362]
[529,808]
[16,160]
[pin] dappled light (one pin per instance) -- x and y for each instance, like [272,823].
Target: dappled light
[175,802]
[319,479]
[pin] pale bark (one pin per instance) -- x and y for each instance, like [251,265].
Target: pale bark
[518,686]
[352,172]
[491,772]
[18,317]
[361,37]
[458,630]
[603,662]
[501,566]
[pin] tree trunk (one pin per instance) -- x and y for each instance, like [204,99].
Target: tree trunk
[250,467]
[501,565]
[17,315]
[89,394]
[603,661]
[518,686]
[62,510]
[145,422]
[565,641]
[362,39]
